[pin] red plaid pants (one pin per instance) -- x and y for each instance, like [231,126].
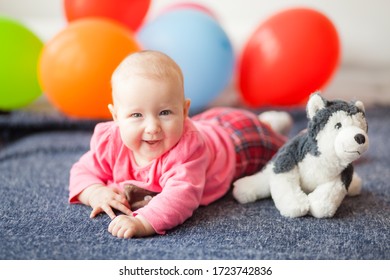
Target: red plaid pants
[255,143]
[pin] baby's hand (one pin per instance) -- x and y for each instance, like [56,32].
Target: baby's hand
[103,199]
[128,226]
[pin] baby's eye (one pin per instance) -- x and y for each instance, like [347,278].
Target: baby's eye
[136,115]
[338,125]
[165,112]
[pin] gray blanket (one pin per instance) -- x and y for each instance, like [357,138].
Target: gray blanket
[36,221]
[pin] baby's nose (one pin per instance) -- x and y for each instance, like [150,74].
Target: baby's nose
[153,127]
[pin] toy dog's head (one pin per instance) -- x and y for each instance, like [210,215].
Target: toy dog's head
[339,128]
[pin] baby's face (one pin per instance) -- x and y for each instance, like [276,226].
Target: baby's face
[150,114]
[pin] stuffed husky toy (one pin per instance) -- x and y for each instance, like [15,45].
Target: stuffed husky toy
[312,173]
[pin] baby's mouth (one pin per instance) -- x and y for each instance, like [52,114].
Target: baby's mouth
[151,142]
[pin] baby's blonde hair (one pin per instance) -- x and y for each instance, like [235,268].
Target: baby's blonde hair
[149,64]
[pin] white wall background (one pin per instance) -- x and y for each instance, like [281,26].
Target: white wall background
[364,28]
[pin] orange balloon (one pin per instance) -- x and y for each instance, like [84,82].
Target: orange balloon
[75,67]
[128,12]
[288,57]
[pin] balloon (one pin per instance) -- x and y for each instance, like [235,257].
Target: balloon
[76,65]
[189,5]
[200,47]
[288,57]
[128,12]
[19,52]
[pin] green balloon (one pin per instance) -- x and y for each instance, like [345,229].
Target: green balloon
[19,54]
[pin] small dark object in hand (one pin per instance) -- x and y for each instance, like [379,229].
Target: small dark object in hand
[138,197]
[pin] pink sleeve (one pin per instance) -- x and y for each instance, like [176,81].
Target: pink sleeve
[94,167]
[183,182]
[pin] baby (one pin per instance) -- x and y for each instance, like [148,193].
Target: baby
[153,144]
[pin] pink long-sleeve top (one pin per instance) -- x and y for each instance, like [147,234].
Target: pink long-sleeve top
[198,170]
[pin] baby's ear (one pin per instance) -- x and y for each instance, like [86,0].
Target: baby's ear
[187,104]
[112,111]
[315,103]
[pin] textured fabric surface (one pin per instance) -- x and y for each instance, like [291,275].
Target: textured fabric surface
[254,142]
[36,221]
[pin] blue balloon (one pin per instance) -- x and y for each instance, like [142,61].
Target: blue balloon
[199,46]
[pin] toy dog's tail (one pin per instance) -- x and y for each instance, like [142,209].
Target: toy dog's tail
[254,187]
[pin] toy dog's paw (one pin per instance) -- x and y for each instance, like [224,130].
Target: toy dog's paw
[293,206]
[320,208]
[326,199]
[244,190]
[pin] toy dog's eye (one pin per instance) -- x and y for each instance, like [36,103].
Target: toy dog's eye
[338,125]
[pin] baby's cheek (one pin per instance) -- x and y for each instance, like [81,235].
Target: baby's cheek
[130,138]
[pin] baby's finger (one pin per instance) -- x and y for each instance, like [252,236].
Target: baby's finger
[109,211]
[121,232]
[122,199]
[115,190]
[115,228]
[95,211]
[119,206]
[129,233]
[112,225]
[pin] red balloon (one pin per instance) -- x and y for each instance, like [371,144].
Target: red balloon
[130,13]
[288,57]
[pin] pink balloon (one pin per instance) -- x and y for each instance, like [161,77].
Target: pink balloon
[189,5]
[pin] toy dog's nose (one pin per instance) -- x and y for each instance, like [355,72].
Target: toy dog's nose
[360,139]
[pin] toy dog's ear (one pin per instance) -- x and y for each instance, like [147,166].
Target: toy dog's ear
[315,103]
[360,105]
